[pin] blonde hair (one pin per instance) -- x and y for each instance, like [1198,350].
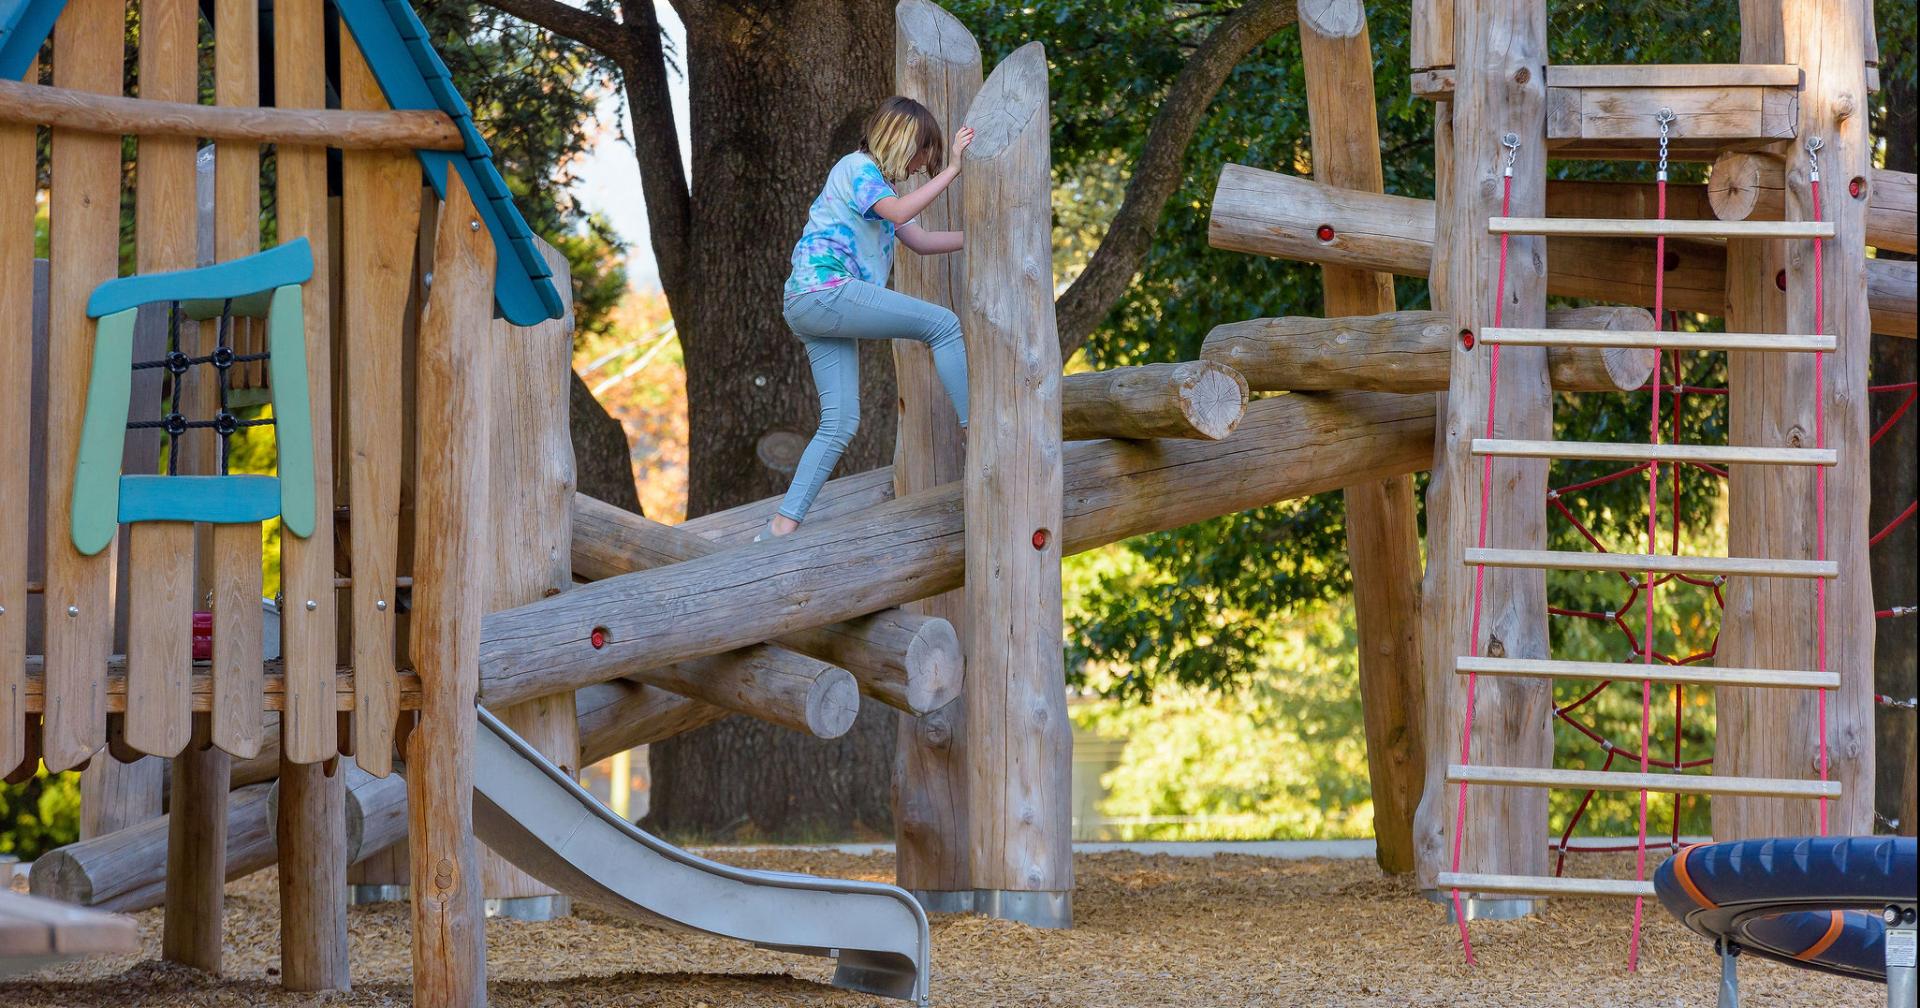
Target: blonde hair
[900,130]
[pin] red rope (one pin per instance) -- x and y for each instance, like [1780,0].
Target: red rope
[1480,572]
[1653,546]
[1820,481]
[1894,524]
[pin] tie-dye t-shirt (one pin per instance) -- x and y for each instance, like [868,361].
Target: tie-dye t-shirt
[844,239]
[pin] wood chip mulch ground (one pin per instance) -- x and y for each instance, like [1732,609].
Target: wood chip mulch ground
[1152,931]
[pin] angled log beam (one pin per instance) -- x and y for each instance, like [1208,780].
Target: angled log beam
[1190,399]
[1410,351]
[1753,187]
[834,570]
[1268,213]
[904,660]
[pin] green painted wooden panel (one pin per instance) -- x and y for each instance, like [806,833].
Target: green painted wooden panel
[103,434]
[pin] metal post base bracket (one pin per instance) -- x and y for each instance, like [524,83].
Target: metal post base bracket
[1035,908]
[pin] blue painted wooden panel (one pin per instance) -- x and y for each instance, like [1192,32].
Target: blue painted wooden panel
[220,500]
[291,263]
[24,27]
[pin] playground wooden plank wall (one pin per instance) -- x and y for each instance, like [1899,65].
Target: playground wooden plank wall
[58,686]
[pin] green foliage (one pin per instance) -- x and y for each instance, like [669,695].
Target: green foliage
[1279,754]
[40,813]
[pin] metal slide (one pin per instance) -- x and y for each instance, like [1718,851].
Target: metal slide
[535,815]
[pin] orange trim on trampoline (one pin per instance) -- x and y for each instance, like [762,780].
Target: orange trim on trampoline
[1834,927]
[1686,881]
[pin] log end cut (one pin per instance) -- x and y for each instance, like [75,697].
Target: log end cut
[934,667]
[1213,397]
[833,701]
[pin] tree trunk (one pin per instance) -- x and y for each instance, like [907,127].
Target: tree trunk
[602,458]
[779,91]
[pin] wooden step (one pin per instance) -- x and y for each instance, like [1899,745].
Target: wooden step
[1700,675]
[1625,452]
[1610,780]
[1541,885]
[1777,342]
[1698,566]
[1563,227]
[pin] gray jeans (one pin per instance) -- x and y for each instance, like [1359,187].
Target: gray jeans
[828,322]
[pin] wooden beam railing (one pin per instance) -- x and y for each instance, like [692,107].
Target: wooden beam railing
[82,111]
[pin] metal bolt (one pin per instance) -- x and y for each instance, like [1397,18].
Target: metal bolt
[473,225]
[760,381]
[380,604]
[3,610]
[312,605]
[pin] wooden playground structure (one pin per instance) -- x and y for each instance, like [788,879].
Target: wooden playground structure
[418,372]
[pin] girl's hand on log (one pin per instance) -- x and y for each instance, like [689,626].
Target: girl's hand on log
[962,139]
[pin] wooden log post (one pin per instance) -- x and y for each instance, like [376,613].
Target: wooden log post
[449,939]
[1020,748]
[907,661]
[1268,213]
[22,296]
[1411,351]
[198,856]
[1775,733]
[1499,50]
[841,566]
[1752,186]
[1190,399]
[530,500]
[1383,534]
[313,866]
[936,62]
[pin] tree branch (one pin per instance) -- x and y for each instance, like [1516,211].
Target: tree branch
[663,176]
[634,45]
[601,34]
[1156,173]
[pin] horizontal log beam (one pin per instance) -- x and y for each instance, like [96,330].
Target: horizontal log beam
[41,105]
[375,810]
[1190,399]
[911,548]
[1753,187]
[126,870]
[272,699]
[902,659]
[1271,214]
[1410,351]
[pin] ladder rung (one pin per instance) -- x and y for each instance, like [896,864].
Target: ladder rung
[1632,338]
[1698,566]
[1537,885]
[1704,675]
[1643,228]
[1610,780]
[1617,452]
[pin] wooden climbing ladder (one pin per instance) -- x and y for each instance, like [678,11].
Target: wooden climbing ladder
[1489,657]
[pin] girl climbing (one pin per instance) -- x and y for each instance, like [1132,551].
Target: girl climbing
[837,294]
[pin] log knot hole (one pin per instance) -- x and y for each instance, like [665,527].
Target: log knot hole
[1496,648]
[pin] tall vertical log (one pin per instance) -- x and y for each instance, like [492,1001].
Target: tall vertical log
[1383,537]
[449,939]
[313,867]
[1019,749]
[197,824]
[1500,48]
[530,503]
[1775,733]
[167,225]
[937,63]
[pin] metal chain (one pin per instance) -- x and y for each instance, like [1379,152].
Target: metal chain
[1511,141]
[1814,144]
[1665,118]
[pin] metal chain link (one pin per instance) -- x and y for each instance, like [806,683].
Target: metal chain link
[1665,118]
